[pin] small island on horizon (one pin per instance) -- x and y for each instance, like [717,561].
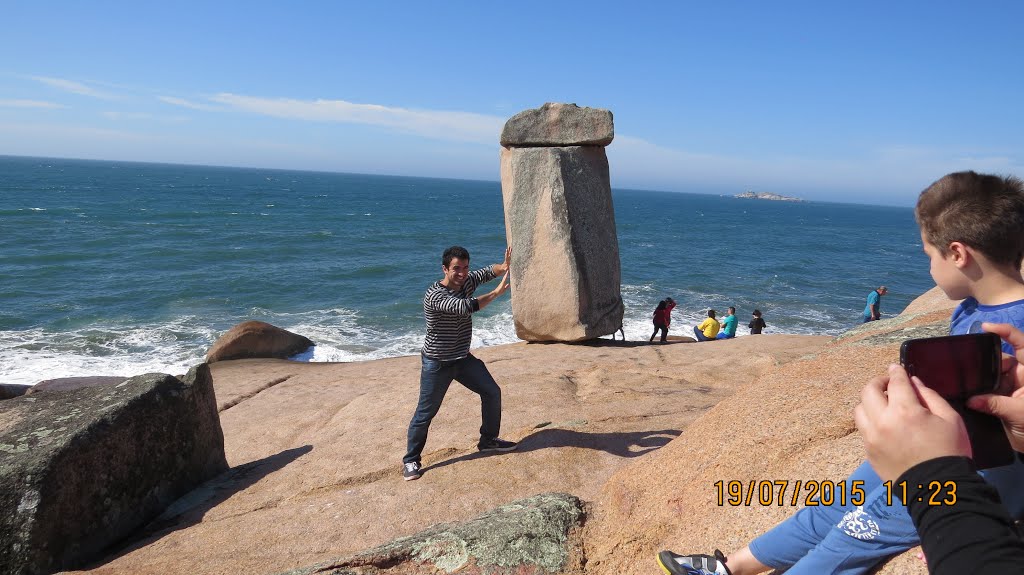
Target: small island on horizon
[748,195]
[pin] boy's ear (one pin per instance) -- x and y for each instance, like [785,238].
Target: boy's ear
[960,254]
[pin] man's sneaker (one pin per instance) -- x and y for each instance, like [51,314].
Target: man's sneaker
[496,445]
[698,564]
[411,471]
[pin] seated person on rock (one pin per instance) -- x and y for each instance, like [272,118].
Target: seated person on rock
[728,324]
[756,323]
[708,329]
[914,437]
[972,229]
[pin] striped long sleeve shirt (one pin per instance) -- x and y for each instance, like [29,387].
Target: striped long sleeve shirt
[449,317]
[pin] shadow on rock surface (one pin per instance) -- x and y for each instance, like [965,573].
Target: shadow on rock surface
[625,444]
[191,508]
[601,342]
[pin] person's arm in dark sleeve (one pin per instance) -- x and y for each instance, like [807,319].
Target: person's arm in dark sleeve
[974,533]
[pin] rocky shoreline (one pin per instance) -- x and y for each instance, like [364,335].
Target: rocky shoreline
[623,437]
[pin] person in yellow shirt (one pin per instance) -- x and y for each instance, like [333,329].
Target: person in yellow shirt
[708,329]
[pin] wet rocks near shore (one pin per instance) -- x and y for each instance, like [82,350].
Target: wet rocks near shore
[12,390]
[257,339]
[70,383]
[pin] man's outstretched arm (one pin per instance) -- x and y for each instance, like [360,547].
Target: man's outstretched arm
[487,298]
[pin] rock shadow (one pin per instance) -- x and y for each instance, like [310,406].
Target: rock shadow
[620,444]
[191,507]
[599,342]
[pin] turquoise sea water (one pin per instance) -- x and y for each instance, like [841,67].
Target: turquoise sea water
[124,268]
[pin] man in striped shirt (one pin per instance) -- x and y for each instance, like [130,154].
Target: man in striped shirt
[449,306]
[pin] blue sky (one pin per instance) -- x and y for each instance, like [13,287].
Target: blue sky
[853,101]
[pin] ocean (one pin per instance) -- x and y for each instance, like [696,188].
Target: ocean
[120,268]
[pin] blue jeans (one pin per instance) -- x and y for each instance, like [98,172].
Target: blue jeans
[697,333]
[850,540]
[723,335]
[435,377]
[839,539]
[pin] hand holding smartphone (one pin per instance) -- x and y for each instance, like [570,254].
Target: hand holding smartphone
[958,367]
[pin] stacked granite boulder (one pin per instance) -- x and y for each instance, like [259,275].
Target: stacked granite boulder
[560,223]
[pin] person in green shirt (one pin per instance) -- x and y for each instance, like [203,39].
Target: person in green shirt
[728,325]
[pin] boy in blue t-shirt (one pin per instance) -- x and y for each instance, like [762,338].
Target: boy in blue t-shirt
[972,229]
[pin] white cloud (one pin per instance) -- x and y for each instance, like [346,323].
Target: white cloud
[188,104]
[30,104]
[136,116]
[75,87]
[460,126]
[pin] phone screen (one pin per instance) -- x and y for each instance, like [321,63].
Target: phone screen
[958,367]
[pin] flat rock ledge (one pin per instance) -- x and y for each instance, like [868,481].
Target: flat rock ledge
[533,536]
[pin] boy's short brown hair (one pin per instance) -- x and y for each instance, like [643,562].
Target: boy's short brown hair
[982,211]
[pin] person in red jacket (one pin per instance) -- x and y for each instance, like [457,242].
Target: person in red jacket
[663,318]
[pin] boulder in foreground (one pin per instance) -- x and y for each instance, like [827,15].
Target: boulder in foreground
[83,469]
[257,339]
[534,536]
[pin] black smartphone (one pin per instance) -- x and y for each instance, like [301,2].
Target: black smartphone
[958,367]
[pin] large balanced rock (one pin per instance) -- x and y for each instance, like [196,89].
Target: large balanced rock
[82,469]
[257,339]
[560,222]
[534,536]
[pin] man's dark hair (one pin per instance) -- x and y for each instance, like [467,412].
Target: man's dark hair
[452,253]
[982,211]
[757,312]
[732,310]
[711,313]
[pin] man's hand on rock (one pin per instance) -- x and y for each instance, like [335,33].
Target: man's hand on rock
[502,268]
[904,423]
